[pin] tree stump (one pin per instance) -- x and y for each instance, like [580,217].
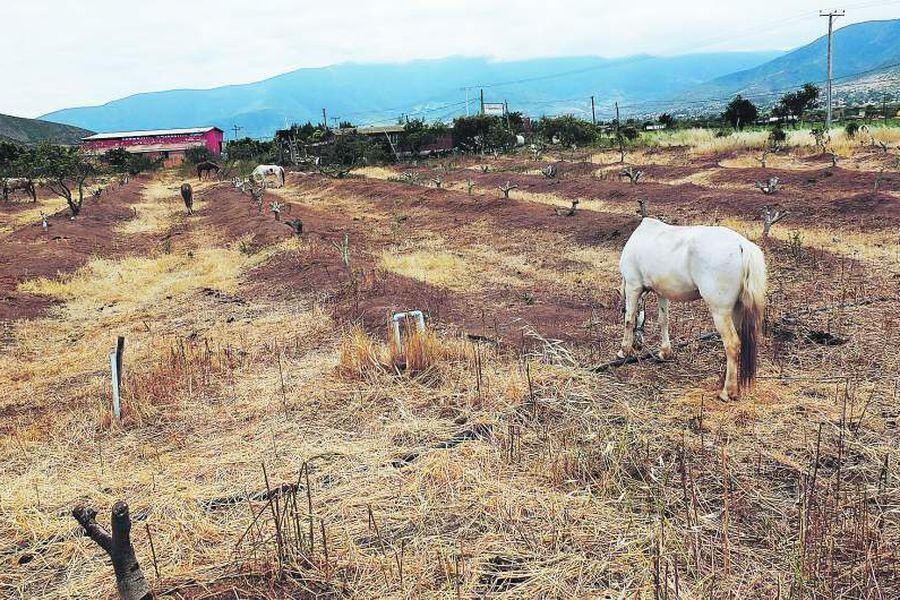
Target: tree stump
[130,581]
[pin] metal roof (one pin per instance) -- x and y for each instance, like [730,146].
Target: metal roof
[146,133]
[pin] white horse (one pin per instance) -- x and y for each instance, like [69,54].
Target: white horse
[261,172]
[687,263]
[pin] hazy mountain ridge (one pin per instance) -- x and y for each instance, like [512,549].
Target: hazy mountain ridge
[32,131]
[358,93]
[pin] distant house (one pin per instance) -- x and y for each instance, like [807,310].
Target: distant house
[167,144]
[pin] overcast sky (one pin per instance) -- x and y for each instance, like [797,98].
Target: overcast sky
[63,53]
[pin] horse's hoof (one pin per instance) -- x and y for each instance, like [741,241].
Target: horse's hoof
[666,354]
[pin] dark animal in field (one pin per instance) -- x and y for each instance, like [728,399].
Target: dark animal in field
[207,167]
[187,194]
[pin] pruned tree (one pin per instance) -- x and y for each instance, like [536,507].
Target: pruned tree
[550,172]
[296,226]
[771,216]
[821,138]
[769,187]
[276,208]
[568,212]
[833,156]
[506,189]
[469,186]
[643,207]
[343,249]
[633,175]
[130,581]
[485,168]
[536,151]
[438,181]
[763,157]
[878,179]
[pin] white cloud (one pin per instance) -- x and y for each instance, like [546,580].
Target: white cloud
[62,53]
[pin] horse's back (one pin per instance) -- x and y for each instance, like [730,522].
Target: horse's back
[683,262]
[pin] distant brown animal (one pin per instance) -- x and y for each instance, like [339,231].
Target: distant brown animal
[187,194]
[207,167]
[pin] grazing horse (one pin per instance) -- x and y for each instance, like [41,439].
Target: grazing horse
[688,263]
[187,194]
[207,167]
[11,184]
[263,171]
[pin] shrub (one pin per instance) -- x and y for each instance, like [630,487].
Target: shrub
[198,155]
[851,129]
[567,129]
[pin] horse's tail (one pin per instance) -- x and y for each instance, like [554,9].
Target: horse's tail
[752,306]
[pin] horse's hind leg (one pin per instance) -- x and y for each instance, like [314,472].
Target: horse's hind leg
[632,301]
[665,347]
[725,326]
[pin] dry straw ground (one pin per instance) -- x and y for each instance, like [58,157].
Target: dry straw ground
[276,443]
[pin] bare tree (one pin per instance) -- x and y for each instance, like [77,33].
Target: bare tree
[568,212]
[469,185]
[506,189]
[296,226]
[485,168]
[438,181]
[763,157]
[770,217]
[643,207]
[769,187]
[130,581]
[549,172]
[633,175]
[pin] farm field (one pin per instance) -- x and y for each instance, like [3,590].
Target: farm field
[274,443]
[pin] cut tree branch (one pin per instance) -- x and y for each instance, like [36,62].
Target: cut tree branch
[130,581]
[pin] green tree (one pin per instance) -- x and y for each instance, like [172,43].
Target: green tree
[417,134]
[567,129]
[794,104]
[65,172]
[197,155]
[481,133]
[740,111]
[667,120]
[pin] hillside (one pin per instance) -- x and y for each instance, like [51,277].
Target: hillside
[32,131]
[862,48]
[381,92]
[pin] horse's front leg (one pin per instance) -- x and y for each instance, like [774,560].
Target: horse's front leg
[725,326]
[632,301]
[665,348]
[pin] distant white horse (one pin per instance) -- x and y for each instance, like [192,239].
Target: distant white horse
[261,172]
[687,263]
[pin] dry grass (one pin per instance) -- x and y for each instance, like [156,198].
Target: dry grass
[705,141]
[443,468]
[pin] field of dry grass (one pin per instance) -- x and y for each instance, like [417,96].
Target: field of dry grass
[277,442]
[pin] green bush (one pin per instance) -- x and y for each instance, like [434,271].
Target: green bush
[482,133]
[851,129]
[197,155]
[567,129]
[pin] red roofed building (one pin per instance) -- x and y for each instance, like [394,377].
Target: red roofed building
[168,144]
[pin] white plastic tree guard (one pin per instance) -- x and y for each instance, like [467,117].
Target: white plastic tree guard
[399,317]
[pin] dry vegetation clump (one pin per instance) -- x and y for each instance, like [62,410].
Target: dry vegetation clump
[361,356]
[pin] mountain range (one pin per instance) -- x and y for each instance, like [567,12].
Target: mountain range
[31,131]
[436,89]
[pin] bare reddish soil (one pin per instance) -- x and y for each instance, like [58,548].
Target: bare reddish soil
[67,244]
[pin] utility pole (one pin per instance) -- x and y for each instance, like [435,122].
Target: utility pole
[325,119]
[482,101]
[831,15]
[236,128]
[617,117]
[506,112]
[593,112]
[467,101]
